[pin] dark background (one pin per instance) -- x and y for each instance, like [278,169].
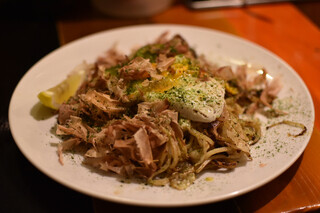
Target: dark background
[28,32]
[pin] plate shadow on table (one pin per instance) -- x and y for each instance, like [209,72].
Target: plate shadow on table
[268,192]
[105,206]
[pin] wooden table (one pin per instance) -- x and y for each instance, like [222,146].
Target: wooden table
[281,28]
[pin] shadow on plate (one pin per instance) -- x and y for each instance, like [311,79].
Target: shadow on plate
[40,112]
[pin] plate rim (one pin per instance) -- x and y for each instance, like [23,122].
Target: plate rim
[155,204]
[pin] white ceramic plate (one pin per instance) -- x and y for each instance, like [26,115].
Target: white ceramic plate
[31,123]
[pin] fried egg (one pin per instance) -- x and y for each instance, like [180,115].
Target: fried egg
[196,100]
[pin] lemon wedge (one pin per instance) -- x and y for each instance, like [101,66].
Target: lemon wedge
[60,93]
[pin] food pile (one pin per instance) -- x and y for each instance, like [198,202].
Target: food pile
[163,113]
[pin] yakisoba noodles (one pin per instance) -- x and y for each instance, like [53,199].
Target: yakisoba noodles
[164,114]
